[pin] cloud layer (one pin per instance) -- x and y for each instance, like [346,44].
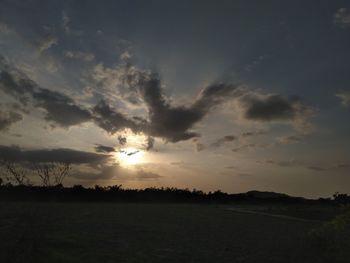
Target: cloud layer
[16,154]
[162,118]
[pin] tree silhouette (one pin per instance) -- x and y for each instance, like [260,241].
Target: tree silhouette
[52,173]
[15,172]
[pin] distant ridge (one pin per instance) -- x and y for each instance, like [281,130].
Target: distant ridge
[268,195]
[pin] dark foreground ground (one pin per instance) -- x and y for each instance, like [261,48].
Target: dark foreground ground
[106,232]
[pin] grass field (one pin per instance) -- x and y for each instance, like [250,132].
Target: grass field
[105,232]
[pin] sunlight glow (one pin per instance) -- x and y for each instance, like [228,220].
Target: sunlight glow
[130,156]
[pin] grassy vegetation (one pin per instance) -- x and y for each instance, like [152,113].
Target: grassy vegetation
[106,232]
[333,236]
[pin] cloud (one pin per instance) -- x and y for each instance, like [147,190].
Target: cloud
[323,168]
[175,123]
[164,120]
[255,106]
[244,174]
[144,175]
[116,172]
[47,41]
[80,55]
[4,28]
[285,163]
[310,166]
[112,121]
[245,146]
[122,140]
[344,98]
[149,143]
[200,147]
[172,123]
[291,139]
[342,165]
[58,107]
[223,140]
[7,118]
[342,17]
[317,168]
[113,83]
[269,107]
[65,22]
[104,149]
[126,56]
[252,133]
[16,154]
[96,172]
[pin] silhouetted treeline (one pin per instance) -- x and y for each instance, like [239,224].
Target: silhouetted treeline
[118,194]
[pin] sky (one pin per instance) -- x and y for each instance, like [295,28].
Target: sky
[229,95]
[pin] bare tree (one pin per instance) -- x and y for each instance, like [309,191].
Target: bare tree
[60,172]
[15,171]
[52,173]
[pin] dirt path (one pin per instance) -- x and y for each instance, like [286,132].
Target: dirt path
[240,210]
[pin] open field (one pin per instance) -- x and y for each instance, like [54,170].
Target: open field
[106,232]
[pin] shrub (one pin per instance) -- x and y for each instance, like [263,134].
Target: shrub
[333,237]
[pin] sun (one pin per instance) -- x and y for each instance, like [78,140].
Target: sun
[130,156]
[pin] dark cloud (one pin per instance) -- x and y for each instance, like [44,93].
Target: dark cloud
[252,133]
[342,165]
[310,166]
[16,154]
[149,143]
[14,83]
[200,147]
[245,146]
[166,121]
[177,163]
[176,123]
[289,139]
[104,149]
[99,172]
[59,108]
[223,140]
[145,175]
[270,107]
[317,168]
[122,140]
[244,174]
[117,172]
[112,121]
[285,163]
[7,118]
[173,123]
